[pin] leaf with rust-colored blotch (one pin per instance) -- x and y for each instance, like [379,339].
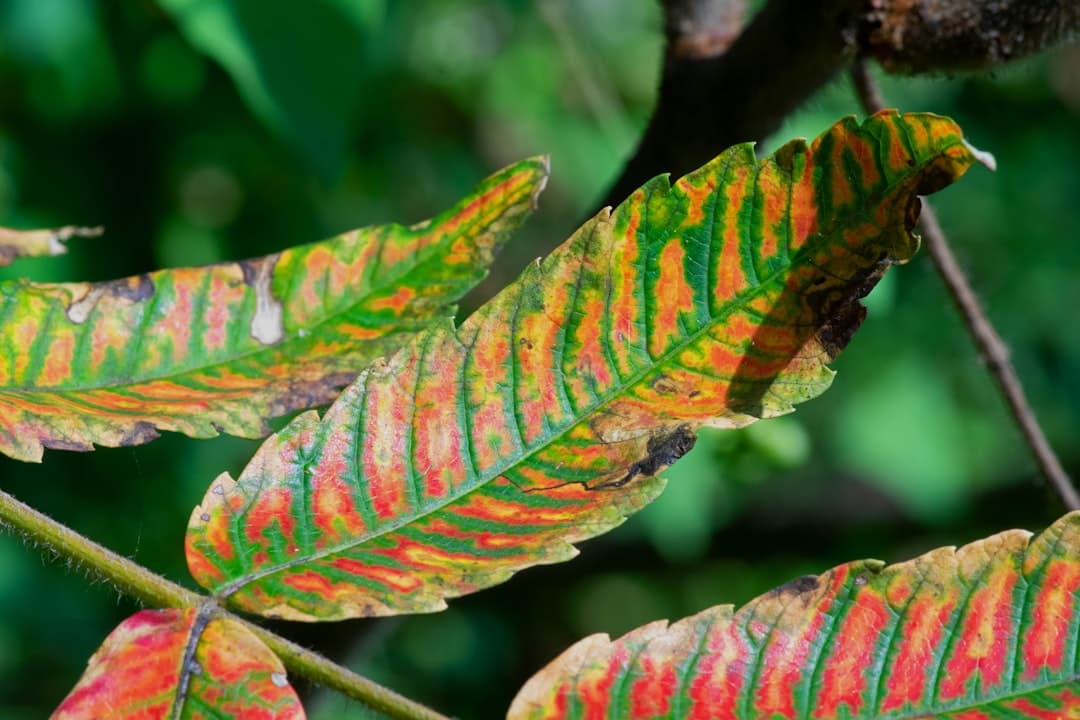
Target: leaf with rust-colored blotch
[544,418]
[987,632]
[222,348]
[36,243]
[180,664]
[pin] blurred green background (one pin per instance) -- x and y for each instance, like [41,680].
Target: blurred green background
[203,130]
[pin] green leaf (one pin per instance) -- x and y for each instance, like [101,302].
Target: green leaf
[984,632]
[178,664]
[220,348]
[297,70]
[544,418]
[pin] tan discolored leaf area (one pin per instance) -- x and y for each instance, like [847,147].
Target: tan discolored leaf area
[38,243]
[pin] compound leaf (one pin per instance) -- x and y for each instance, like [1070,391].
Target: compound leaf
[223,347]
[544,419]
[986,632]
[179,664]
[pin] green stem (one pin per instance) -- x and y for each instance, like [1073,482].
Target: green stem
[329,674]
[153,590]
[130,577]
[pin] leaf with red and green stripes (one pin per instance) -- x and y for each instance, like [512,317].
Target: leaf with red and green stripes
[38,243]
[222,348]
[544,419]
[183,665]
[987,632]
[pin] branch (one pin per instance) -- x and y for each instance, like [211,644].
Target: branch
[701,29]
[989,343]
[915,36]
[789,50]
[710,99]
[156,591]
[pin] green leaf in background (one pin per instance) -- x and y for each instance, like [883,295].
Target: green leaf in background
[297,67]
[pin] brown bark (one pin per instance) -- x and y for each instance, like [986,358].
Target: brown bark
[699,29]
[916,36]
[789,50]
[714,94]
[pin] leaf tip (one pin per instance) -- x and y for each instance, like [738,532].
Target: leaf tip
[542,181]
[983,157]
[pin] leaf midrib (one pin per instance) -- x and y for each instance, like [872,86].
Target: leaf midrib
[916,714]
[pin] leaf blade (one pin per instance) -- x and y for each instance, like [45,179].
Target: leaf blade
[480,450]
[139,672]
[220,348]
[862,641]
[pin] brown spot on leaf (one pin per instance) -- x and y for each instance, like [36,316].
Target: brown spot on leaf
[60,443]
[141,432]
[911,213]
[135,289]
[838,308]
[305,393]
[784,157]
[663,449]
[938,175]
[799,586]
[838,329]
[663,385]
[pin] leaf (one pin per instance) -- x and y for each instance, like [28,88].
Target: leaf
[221,348]
[35,243]
[147,667]
[300,73]
[984,632]
[545,417]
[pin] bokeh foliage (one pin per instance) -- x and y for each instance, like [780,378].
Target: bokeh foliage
[203,131]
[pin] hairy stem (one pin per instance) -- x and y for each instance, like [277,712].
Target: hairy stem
[128,576]
[992,348]
[329,674]
[153,590]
